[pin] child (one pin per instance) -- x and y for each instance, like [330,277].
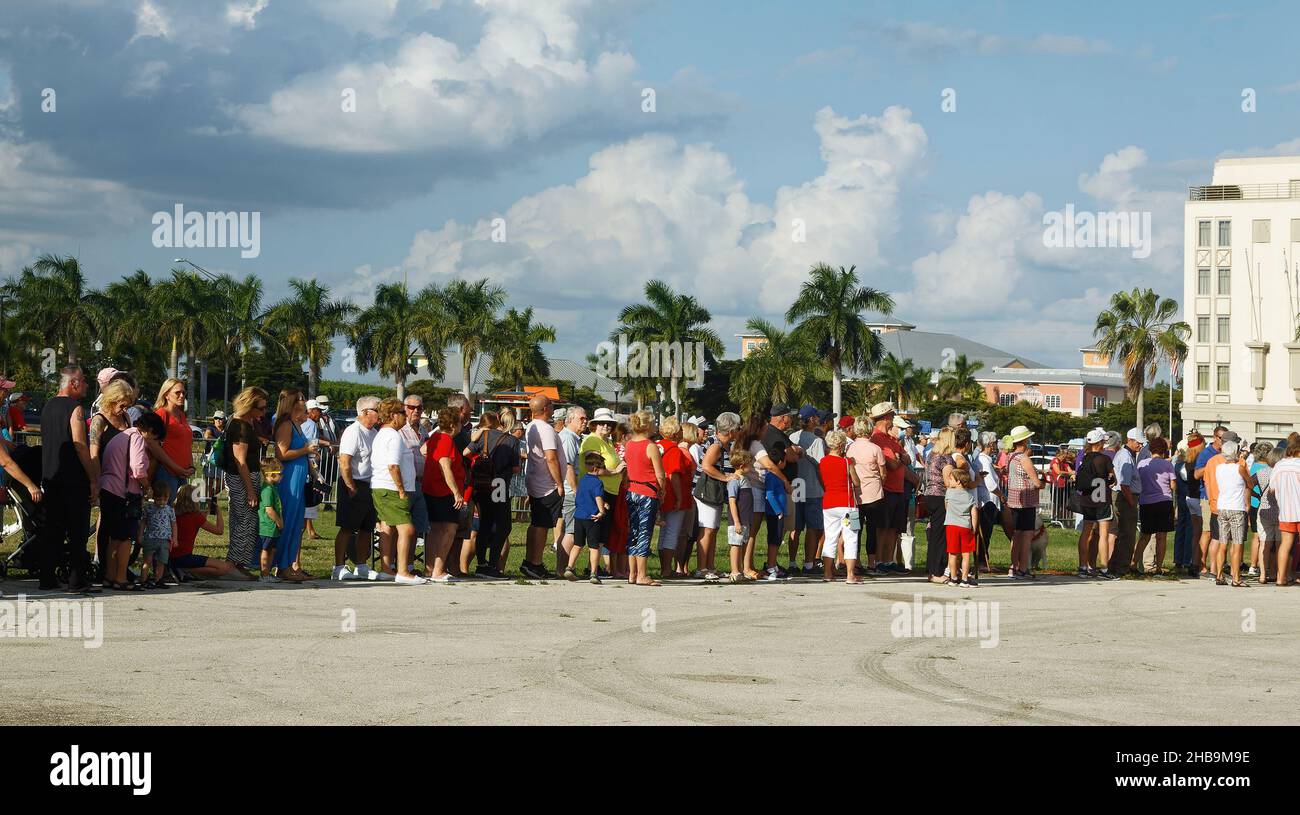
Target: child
[270,519]
[961,519]
[159,536]
[740,500]
[589,509]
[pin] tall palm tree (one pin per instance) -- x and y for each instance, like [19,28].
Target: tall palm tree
[189,309]
[126,322]
[472,318]
[53,301]
[389,333]
[1139,331]
[516,347]
[307,322]
[781,369]
[828,312]
[959,380]
[246,319]
[668,317]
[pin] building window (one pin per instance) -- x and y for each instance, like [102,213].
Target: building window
[1225,233]
[1263,230]
[1203,233]
[1098,402]
[1225,281]
[1006,399]
[1221,372]
[1202,329]
[1203,282]
[1223,331]
[1052,400]
[1202,377]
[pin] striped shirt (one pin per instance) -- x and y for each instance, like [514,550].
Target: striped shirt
[1285,484]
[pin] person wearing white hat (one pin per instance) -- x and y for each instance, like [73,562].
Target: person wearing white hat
[1127,492]
[311,429]
[1093,480]
[1023,485]
[891,520]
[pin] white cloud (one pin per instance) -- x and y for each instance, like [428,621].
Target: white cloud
[43,200]
[150,21]
[244,14]
[147,78]
[535,70]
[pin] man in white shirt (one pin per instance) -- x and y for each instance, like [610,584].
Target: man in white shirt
[355,511]
[808,500]
[545,482]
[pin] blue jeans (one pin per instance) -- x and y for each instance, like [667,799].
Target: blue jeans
[1183,537]
[173,482]
[641,513]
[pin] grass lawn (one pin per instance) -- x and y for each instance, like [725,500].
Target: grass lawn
[318,555]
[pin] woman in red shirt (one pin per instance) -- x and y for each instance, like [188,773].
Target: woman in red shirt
[672,510]
[646,482]
[443,483]
[190,518]
[839,503]
[178,442]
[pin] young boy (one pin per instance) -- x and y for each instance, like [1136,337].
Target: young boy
[159,537]
[961,519]
[740,500]
[270,519]
[589,509]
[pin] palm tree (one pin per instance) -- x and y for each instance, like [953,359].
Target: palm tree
[190,309]
[307,322]
[125,320]
[516,347]
[246,320]
[672,321]
[780,369]
[901,382]
[472,319]
[53,302]
[1139,331]
[959,380]
[828,312]
[389,333]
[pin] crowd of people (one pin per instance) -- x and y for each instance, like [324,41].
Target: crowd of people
[431,496]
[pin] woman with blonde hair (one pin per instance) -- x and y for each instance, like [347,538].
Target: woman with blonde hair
[178,439]
[690,446]
[243,466]
[937,463]
[647,481]
[110,419]
[293,450]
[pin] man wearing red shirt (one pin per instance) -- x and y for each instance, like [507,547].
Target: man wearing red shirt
[892,519]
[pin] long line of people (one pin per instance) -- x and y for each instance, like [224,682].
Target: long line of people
[853,488]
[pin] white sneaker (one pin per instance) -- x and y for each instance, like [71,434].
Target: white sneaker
[771,576]
[268,578]
[409,580]
[447,577]
[342,573]
[362,573]
[383,577]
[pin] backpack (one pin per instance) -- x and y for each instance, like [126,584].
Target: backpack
[216,457]
[482,471]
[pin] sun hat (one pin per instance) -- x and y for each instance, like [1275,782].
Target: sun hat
[1019,433]
[845,422]
[606,416]
[323,399]
[882,409]
[1095,435]
[901,423]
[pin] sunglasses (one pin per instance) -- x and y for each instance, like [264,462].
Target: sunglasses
[412,407]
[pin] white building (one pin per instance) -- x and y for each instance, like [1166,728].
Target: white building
[1241,298]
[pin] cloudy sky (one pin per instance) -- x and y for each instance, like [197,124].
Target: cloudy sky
[381,139]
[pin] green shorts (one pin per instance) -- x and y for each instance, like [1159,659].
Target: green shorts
[390,507]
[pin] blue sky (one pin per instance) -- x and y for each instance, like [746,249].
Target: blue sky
[531,111]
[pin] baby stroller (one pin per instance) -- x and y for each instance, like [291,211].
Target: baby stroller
[31,515]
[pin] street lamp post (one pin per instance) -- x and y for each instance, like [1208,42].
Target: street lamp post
[225,395]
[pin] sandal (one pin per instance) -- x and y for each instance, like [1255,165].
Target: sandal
[1240,584]
[1219,581]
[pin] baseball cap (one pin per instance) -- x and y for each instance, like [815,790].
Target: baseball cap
[218,414]
[807,412]
[779,409]
[312,403]
[1136,434]
[6,384]
[559,413]
[105,376]
[845,422]
[1095,436]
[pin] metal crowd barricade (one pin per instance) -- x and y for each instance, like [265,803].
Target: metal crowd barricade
[1054,504]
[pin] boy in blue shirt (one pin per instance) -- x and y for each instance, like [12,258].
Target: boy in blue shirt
[589,509]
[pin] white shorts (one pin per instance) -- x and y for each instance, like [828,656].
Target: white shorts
[709,516]
[671,530]
[836,520]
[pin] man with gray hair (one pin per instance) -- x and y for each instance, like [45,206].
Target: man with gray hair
[69,483]
[1128,489]
[1152,432]
[1233,483]
[575,424]
[355,510]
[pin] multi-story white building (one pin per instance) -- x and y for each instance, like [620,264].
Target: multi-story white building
[1241,298]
